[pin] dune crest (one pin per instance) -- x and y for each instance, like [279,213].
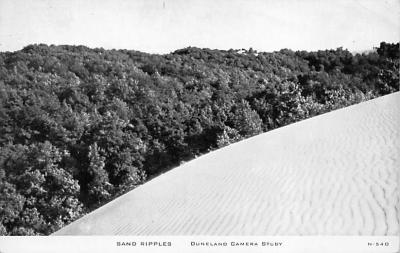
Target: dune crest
[334,174]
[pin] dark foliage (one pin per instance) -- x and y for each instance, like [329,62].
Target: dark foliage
[80,126]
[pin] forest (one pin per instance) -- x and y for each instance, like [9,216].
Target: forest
[81,126]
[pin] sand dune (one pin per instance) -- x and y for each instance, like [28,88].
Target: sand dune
[334,174]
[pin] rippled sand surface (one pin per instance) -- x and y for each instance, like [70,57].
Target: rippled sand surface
[334,174]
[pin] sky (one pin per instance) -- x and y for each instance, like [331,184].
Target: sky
[162,26]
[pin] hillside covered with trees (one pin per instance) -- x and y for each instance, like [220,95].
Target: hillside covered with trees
[80,126]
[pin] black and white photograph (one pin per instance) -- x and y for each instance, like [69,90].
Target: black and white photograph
[199,126]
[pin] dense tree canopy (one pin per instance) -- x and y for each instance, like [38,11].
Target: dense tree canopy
[80,126]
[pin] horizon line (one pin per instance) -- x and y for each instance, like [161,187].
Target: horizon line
[358,51]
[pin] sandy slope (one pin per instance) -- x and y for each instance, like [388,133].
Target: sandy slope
[335,174]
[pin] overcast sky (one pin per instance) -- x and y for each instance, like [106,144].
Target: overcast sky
[162,26]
